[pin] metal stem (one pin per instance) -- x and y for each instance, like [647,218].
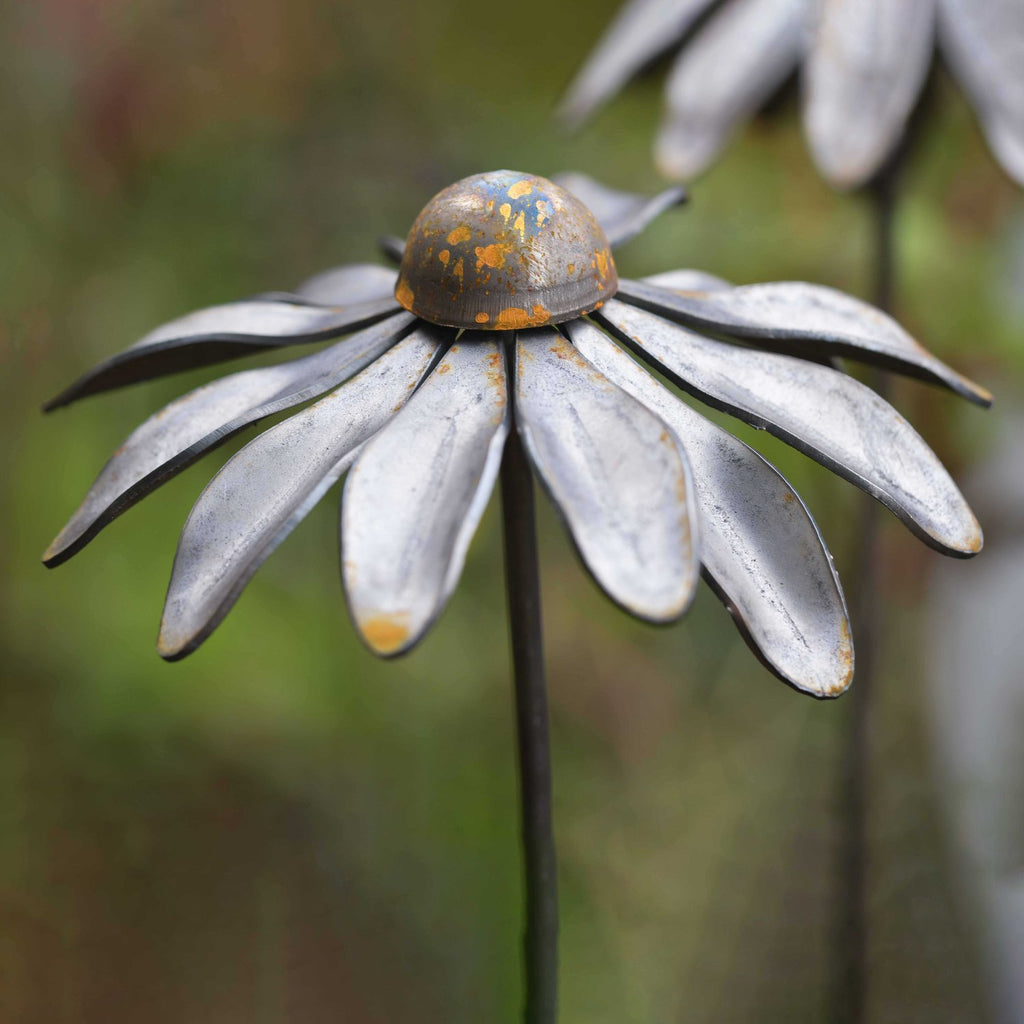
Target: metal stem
[866,612]
[522,578]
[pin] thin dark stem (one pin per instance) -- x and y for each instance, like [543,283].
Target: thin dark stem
[522,577]
[866,612]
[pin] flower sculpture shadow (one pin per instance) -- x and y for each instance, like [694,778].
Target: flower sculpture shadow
[863,64]
[514,319]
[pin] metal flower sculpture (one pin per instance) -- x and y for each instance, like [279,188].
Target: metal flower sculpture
[863,63]
[507,315]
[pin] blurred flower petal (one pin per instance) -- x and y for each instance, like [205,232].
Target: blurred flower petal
[355,282]
[615,473]
[183,431]
[760,548]
[687,281]
[267,489]
[730,67]
[808,319]
[826,414]
[641,30]
[414,498]
[219,333]
[623,215]
[984,43]
[862,78]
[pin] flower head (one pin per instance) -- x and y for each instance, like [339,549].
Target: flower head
[863,64]
[514,319]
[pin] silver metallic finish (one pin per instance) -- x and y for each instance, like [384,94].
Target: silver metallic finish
[641,30]
[192,425]
[264,492]
[861,80]
[616,474]
[352,283]
[731,66]
[687,281]
[219,333]
[414,498]
[623,215]
[761,550]
[828,415]
[808,319]
[984,42]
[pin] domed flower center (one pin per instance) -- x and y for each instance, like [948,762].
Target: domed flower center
[505,250]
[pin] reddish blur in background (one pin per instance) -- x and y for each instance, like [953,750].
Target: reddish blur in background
[281,828]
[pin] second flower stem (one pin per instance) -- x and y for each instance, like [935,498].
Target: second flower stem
[522,580]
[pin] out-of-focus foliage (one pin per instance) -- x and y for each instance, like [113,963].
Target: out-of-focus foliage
[282,828]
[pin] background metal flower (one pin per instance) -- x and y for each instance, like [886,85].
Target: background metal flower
[863,64]
[418,413]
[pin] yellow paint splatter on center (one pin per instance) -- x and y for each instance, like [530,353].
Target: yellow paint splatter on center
[444,256]
[404,294]
[459,234]
[520,188]
[505,210]
[602,262]
[481,318]
[514,317]
[520,225]
[492,256]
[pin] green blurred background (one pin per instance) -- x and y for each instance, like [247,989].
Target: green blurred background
[283,829]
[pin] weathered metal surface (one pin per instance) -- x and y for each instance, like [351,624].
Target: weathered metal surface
[183,431]
[640,31]
[219,333]
[984,42]
[623,215]
[761,550]
[862,78]
[265,490]
[616,474]
[414,498]
[731,66]
[505,250]
[354,282]
[826,414]
[687,281]
[808,319]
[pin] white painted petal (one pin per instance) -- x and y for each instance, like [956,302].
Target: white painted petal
[623,215]
[641,30]
[864,72]
[724,74]
[222,332]
[760,548]
[182,432]
[416,494]
[355,282]
[826,414]
[687,281]
[808,319]
[616,474]
[264,492]
[983,40]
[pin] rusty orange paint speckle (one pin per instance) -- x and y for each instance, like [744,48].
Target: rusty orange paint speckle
[481,318]
[519,189]
[505,210]
[602,262]
[459,234]
[387,633]
[444,256]
[404,294]
[519,224]
[492,255]
[457,270]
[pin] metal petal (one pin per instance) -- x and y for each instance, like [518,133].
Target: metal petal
[984,42]
[343,286]
[863,75]
[730,67]
[618,477]
[264,492]
[218,333]
[688,281]
[623,215]
[761,550]
[806,319]
[415,496]
[641,30]
[183,431]
[826,414]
